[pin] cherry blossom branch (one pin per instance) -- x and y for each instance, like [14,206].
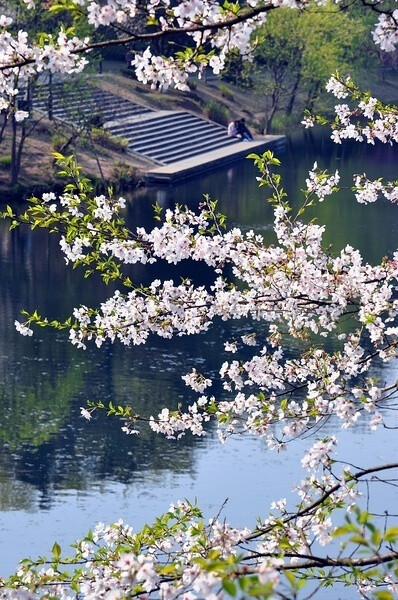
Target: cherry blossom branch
[156,35]
[321,500]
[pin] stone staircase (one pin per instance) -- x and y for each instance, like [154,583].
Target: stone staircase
[177,143]
[170,136]
[165,137]
[88,104]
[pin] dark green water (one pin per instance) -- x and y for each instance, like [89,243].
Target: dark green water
[59,474]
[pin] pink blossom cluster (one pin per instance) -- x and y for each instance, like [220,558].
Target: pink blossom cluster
[320,184]
[367,191]
[368,120]
[22,60]
[386,32]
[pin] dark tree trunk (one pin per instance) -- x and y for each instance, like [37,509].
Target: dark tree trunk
[312,96]
[2,128]
[270,118]
[16,149]
[50,97]
[14,168]
[20,149]
[275,105]
[289,108]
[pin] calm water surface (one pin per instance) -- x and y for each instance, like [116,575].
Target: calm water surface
[59,474]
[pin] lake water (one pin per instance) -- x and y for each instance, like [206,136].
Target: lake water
[59,474]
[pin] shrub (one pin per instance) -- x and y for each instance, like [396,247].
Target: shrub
[96,120]
[44,128]
[226,92]
[107,140]
[5,163]
[218,113]
[282,123]
[129,73]
[124,176]
[57,141]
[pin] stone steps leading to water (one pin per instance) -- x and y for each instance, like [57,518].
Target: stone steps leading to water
[175,141]
[167,138]
[162,136]
[179,136]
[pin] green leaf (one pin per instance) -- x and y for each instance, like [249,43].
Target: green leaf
[383,595]
[245,583]
[229,587]
[376,537]
[291,578]
[56,550]
[391,534]
[343,530]
[264,591]
[359,539]
[283,404]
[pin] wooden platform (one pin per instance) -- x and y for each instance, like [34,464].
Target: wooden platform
[192,167]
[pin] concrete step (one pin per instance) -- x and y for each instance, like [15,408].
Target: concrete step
[179,141]
[67,106]
[84,113]
[60,91]
[166,132]
[63,97]
[176,158]
[181,153]
[120,113]
[152,124]
[188,121]
[89,104]
[69,103]
[171,136]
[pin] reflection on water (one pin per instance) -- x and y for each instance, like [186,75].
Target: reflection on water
[59,474]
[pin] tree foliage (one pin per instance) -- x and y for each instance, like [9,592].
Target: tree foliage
[295,53]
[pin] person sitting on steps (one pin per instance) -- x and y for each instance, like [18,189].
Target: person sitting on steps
[233,129]
[244,131]
[238,128]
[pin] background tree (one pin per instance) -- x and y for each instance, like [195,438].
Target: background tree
[295,53]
